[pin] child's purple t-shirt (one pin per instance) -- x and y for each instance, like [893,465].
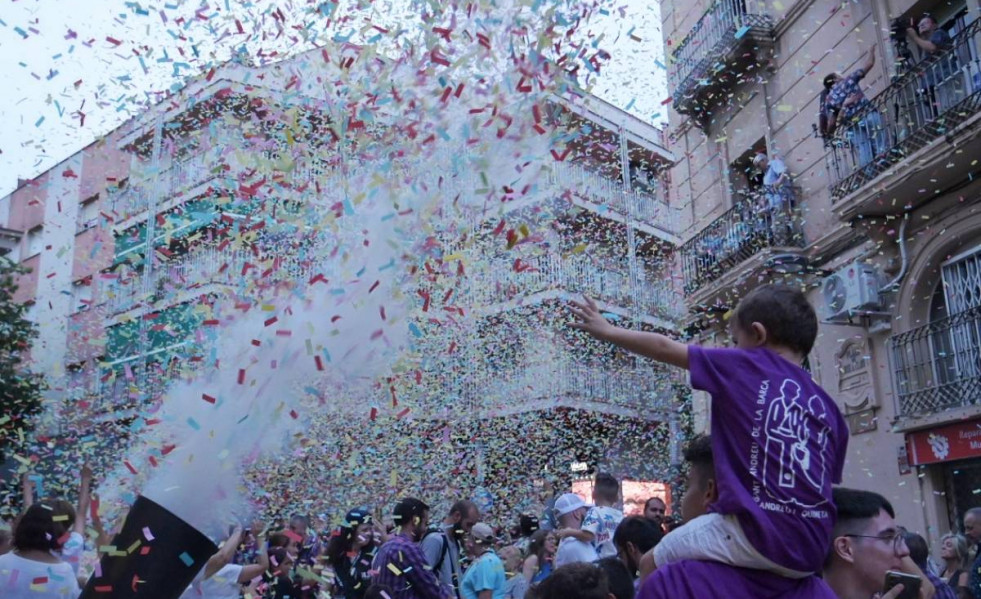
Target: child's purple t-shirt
[779,443]
[701,580]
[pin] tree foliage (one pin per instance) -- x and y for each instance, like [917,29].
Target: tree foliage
[20,389]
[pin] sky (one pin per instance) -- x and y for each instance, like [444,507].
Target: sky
[74,70]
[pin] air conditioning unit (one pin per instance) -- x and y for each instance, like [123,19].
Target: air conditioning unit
[853,289]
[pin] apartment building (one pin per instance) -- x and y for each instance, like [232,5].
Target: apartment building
[879,223]
[134,242]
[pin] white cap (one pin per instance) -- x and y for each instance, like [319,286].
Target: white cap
[482,533]
[568,502]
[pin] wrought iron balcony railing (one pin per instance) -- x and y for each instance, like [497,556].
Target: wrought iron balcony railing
[178,177]
[767,218]
[563,381]
[199,268]
[643,206]
[937,366]
[576,275]
[702,55]
[925,103]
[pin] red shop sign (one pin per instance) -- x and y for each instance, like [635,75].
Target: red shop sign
[945,443]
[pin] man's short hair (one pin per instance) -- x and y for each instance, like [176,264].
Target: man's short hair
[574,581]
[974,511]
[638,530]
[829,80]
[698,453]
[855,506]
[620,582]
[607,486]
[407,510]
[464,507]
[785,313]
[647,503]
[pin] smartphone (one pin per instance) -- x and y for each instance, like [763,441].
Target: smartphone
[910,582]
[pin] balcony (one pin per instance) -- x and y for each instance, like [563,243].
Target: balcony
[635,205]
[726,40]
[566,382]
[574,276]
[915,122]
[744,231]
[180,176]
[937,367]
[177,280]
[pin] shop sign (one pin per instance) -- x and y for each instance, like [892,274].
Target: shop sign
[945,443]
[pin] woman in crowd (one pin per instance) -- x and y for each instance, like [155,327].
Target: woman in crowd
[350,553]
[33,570]
[282,557]
[485,578]
[954,553]
[541,551]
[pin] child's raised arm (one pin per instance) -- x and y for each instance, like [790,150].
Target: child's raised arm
[651,345]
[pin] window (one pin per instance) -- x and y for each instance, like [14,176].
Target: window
[82,295]
[88,214]
[35,241]
[954,345]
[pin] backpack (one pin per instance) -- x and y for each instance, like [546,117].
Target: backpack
[444,549]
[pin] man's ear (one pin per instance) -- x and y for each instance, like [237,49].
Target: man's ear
[758,334]
[711,492]
[843,548]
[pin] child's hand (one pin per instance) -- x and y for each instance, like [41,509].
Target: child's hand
[590,319]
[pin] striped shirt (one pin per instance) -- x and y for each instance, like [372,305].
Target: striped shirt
[401,567]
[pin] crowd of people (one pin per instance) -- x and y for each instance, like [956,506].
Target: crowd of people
[761,515]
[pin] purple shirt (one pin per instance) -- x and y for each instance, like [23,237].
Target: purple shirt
[700,580]
[779,443]
[401,567]
[943,590]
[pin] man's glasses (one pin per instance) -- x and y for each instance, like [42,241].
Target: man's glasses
[896,537]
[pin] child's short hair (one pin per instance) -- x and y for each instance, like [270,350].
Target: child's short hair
[607,487]
[784,312]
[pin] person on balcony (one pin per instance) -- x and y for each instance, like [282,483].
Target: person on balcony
[845,105]
[779,198]
[932,41]
[927,36]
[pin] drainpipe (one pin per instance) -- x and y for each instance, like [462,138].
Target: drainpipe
[903,255]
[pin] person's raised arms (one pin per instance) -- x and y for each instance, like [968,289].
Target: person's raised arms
[651,345]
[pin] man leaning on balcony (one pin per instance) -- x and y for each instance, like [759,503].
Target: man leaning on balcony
[932,41]
[927,36]
[846,105]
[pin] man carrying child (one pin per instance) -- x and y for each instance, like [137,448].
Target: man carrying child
[778,439]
